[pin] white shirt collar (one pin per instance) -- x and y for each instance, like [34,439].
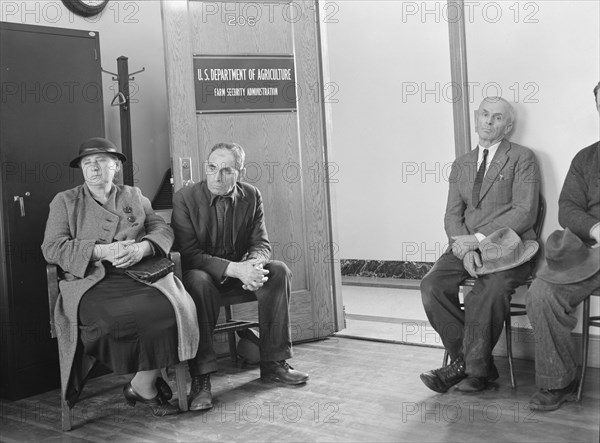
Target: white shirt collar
[491,152]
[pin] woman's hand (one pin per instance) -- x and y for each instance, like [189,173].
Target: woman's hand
[123,254]
[132,253]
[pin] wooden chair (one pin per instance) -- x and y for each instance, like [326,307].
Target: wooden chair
[164,196]
[52,274]
[588,321]
[516,309]
[231,325]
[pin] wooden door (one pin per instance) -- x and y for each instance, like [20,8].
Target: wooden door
[51,102]
[286,156]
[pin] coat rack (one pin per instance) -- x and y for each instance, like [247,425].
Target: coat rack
[121,99]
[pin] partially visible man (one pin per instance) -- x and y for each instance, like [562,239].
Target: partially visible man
[570,275]
[492,188]
[220,231]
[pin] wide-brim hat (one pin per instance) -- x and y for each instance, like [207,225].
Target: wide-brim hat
[504,249]
[568,259]
[97,145]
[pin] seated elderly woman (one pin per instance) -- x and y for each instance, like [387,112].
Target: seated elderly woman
[94,232]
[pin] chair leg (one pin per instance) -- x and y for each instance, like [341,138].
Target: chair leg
[445,359]
[180,380]
[231,337]
[585,345]
[508,332]
[232,347]
[66,415]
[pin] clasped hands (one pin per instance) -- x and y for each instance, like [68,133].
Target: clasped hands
[251,273]
[122,254]
[465,248]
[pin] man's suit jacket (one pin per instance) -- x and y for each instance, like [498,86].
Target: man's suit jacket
[509,195]
[195,224]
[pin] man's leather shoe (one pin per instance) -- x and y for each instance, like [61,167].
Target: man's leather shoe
[281,371]
[551,399]
[442,379]
[164,390]
[472,384]
[200,395]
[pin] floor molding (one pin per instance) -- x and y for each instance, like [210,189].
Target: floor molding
[381,282]
[421,333]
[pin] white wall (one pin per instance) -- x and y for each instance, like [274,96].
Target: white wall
[393,141]
[545,57]
[384,56]
[132,29]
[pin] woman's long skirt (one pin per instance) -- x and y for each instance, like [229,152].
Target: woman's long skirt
[127,325]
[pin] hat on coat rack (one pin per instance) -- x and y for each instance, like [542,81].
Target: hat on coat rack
[97,145]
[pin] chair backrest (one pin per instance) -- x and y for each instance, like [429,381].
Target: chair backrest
[539,221]
[539,224]
[176,258]
[164,196]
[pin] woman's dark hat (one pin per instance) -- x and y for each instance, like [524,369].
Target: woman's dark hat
[568,259]
[97,145]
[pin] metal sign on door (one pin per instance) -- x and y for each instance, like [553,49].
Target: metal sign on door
[244,84]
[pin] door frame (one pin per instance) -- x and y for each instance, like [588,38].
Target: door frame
[325,79]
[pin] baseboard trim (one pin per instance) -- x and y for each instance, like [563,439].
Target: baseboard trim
[384,340]
[381,282]
[420,331]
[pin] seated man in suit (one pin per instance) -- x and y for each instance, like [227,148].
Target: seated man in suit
[494,186]
[220,231]
[570,275]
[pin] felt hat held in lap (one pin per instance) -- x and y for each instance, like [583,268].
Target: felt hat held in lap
[97,145]
[504,249]
[568,259]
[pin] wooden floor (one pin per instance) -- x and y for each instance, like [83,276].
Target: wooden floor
[359,391]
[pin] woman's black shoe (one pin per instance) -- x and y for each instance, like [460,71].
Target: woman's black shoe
[157,405]
[164,390]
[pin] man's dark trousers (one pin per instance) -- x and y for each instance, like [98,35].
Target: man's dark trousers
[474,332]
[273,312]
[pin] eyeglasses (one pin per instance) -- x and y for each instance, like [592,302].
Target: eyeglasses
[213,168]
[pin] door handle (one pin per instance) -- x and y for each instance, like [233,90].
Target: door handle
[185,164]
[21,202]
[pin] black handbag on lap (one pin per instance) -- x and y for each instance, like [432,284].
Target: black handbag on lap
[150,269]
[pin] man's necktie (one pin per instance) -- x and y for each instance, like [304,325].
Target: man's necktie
[224,223]
[479,179]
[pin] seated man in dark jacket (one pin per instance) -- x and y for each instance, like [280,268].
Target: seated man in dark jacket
[570,275]
[220,231]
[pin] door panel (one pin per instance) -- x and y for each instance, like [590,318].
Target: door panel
[273,166]
[285,151]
